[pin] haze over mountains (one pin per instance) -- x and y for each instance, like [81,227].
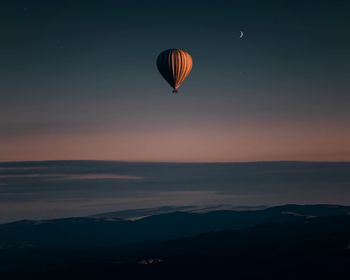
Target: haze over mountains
[82,188]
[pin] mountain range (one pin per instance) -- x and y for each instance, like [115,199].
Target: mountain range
[302,240]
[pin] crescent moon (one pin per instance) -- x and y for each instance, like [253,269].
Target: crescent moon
[241,35]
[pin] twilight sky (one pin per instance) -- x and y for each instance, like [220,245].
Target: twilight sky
[78,80]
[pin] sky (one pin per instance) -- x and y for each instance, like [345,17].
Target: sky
[78,80]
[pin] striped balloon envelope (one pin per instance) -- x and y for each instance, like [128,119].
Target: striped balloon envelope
[174,65]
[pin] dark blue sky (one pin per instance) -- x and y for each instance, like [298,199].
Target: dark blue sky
[78,80]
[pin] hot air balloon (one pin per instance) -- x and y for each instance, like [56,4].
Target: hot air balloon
[174,65]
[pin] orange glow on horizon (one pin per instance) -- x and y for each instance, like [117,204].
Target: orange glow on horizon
[244,142]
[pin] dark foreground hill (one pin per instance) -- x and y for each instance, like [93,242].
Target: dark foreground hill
[285,242]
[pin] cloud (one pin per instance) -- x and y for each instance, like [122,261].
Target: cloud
[102,177]
[90,176]
[21,168]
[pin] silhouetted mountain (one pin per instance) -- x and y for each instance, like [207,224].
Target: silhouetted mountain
[303,235]
[283,242]
[318,248]
[95,232]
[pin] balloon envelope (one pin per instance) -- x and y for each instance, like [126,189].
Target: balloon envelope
[174,65]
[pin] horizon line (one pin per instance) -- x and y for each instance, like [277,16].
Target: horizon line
[179,162]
